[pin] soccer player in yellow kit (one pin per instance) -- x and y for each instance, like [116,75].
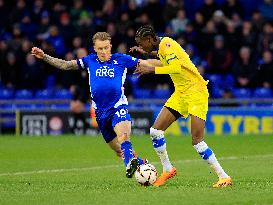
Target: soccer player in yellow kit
[189,98]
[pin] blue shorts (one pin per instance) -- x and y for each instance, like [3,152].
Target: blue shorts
[109,121]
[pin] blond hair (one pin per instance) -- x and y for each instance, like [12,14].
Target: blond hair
[103,36]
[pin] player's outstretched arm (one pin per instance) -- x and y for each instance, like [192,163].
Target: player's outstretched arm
[144,67]
[140,50]
[56,62]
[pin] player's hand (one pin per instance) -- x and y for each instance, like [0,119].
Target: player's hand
[37,52]
[144,70]
[138,49]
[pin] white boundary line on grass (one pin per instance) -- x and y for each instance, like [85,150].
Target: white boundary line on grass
[115,166]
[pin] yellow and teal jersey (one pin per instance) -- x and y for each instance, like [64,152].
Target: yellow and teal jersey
[177,63]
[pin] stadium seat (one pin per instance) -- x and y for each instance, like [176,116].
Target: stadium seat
[241,92]
[50,82]
[8,106]
[24,106]
[64,106]
[8,124]
[228,81]
[23,94]
[44,94]
[142,93]
[214,79]
[161,94]
[133,80]
[6,94]
[263,93]
[62,94]
[216,92]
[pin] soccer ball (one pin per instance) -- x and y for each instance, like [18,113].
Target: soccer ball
[146,174]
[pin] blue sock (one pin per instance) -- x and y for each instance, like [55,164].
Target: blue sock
[128,154]
[140,161]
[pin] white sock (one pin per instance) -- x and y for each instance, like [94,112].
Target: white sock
[160,148]
[207,154]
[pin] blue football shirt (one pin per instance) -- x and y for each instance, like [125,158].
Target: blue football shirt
[106,79]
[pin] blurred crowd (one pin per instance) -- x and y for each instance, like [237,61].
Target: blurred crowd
[221,37]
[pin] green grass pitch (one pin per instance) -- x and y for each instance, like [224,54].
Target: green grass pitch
[83,170]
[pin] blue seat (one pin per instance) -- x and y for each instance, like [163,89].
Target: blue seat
[263,93]
[216,92]
[8,124]
[50,82]
[64,106]
[142,93]
[228,81]
[214,79]
[161,94]
[133,80]
[23,94]
[8,106]
[44,94]
[6,94]
[241,92]
[24,106]
[40,106]
[62,94]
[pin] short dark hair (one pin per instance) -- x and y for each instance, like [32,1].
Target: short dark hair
[103,36]
[144,31]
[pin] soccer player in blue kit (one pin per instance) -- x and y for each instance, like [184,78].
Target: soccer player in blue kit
[107,74]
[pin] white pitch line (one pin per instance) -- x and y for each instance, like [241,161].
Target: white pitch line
[116,166]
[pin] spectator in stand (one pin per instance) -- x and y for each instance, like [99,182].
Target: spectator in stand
[27,27]
[80,92]
[76,11]
[153,8]
[56,40]
[37,10]
[219,58]
[232,6]
[67,30]
[179,23]
[257,21]
[111,28]
[237,20]
[3,58]
[265,73]
[228,95]
[76,44]
[4,12]
[11,72]
[208,9]
[109,10]
[266,9]
[86,24]
[17,13]
[198,22]
[248,35]
[15,42]
[42,30]
[124,24]
[171,8]
[32,74]
[190,34]
[219,20]
[245,69]
[232,38]
[206,38]
[265,41]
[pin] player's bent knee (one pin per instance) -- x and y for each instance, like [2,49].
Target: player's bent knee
[156,134]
